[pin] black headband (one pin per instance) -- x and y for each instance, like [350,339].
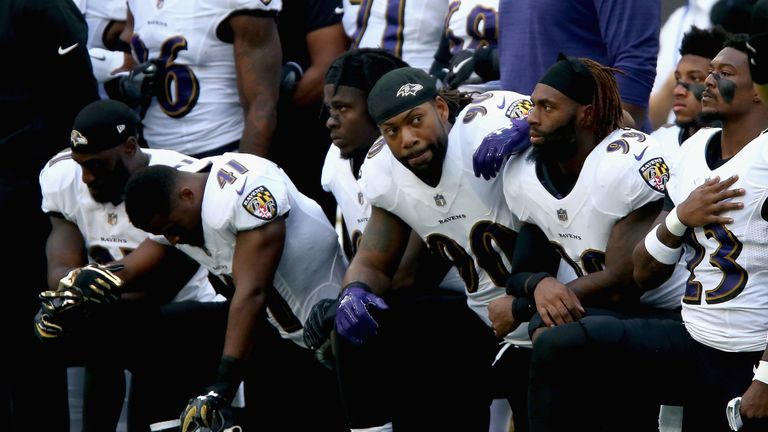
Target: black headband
[572,78]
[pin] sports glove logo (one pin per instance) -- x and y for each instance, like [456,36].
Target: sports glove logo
[409,89]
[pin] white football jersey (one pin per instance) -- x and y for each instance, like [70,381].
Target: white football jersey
[98,14]
[471,24]
[244,192]
[464,218]
[409,29]
[105,227]
[624,172]
[337,178]
[200,109]
[349,20]
[669,137]
[725,304]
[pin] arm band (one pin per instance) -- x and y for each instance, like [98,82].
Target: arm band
[673,223]
[523,309]
[523,284]
[761,372]
[659,251]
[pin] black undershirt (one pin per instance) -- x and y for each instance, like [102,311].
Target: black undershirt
[554,181]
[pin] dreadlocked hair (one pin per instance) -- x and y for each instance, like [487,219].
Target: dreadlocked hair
[361,68]
[456,101]
[606,104]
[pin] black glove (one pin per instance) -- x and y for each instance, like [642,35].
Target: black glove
[96,283]
[460,69]
[758,58]
[439,70]
[141,84]
[290,75]
[213,409]
[318,328]
[482,62]
[210,411]
[61,312]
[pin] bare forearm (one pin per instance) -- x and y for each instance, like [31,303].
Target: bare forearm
[648,272]
[603,285]
[310,88]
[244,313]
[379,281]
[257,60]
[259,126]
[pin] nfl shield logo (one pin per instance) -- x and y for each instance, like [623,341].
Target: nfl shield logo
[562,215]
[360,198]
[112,218]
[160,4]
[439,200]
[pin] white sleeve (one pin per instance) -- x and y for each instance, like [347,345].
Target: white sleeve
[265,198]
[326,178]
[57,185]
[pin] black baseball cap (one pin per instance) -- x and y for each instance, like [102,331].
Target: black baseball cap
[399,90]
[102,125]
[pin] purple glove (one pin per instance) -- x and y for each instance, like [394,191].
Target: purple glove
[353,318]
[497,145]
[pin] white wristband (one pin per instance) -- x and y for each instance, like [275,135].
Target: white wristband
[673,223]
[659,251]
[761,372]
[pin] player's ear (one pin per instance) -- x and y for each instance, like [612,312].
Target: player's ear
[186,195]
[442,108]
[585,113]
[130,146]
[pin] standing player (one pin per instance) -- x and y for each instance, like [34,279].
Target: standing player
[241,217]
[407,29]
[420,179]
[467,51]
[35,125]
[82,194]
[217,73]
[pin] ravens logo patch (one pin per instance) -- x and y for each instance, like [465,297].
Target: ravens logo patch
[519,108]
[260,203]
[655,172]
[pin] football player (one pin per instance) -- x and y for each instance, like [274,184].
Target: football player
[383,24]
[242,218]
[419,178]
[715,218]
[414,301]
[212,69]
[591,188]
[82,195]
[467,51]
[697,49]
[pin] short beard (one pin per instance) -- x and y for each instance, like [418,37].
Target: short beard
[114,188]
[709,118]
[556,146]
[695,123]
